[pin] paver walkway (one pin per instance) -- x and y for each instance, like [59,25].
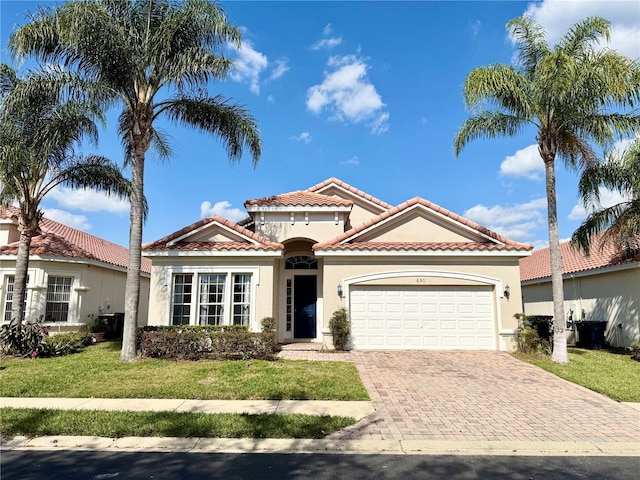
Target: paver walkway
[476,396]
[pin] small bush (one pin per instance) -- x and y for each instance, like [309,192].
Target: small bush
[340,329]
[534,334]
[67,343]
[195,345]
[635,352]
[26,340]
[268,324]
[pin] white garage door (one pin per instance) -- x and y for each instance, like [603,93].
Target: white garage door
[425,317]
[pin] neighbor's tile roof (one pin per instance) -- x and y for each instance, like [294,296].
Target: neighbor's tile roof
[299,199]
[58,240]
[262,243]
[339,241]
[538,265]
[349,188]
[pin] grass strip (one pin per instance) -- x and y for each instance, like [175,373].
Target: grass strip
[38,422]
[612,374]
[98,372]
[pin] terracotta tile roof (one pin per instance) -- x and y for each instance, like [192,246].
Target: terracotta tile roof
[299,199]
[538,265]
[424,246]
[349,188]
[60,240]
[344,238]
[262,243]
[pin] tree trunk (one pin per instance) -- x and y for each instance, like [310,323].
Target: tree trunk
[559,336]
[132,292]
[20,280]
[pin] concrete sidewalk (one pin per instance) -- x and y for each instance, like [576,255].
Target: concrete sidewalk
[357,410]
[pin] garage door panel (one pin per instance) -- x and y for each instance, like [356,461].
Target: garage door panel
[425,317]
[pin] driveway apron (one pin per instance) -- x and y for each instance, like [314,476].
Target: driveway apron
[477,396]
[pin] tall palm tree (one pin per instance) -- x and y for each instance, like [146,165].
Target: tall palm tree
[619,223]
[569,94]
[155,57]
[41,124]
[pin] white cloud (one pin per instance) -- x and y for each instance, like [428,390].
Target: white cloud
[303,137]
[76,221]
[271,99]
[351,161]
[348,95]
[88,200]
[524,163]
[327,43]
[557,16]
[327,29]
[517,222]
[608,198]
[281,67]
[222,209]
[475,27]
[248,66]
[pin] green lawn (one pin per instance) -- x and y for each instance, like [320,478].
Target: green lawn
[97,372]
[614,375]
[37,422]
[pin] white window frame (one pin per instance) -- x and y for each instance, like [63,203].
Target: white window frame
[229,272]
[74,296]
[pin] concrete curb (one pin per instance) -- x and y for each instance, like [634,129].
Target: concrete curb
[395,447]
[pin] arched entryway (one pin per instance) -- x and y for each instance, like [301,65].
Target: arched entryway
[300,273]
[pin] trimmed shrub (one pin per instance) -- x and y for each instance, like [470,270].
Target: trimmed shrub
[340,327]
[195,345]
[268,324]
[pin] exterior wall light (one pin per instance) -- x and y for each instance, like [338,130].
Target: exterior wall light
[340,290]
[507,292]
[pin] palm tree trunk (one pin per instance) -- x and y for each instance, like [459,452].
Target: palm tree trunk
[20,280]
[132,292]
[559,336]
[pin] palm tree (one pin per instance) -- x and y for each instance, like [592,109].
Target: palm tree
[569,94]
[41,125]
[155,57]
[618,224]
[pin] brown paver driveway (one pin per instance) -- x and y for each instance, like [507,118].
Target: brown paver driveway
[435,395]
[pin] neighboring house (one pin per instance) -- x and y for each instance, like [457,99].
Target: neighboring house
[415,276]
[603,286]
[72,274]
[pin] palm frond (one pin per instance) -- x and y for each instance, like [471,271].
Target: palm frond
[488,124]
[232,123]
[584,35]
[500,84]
[530,40]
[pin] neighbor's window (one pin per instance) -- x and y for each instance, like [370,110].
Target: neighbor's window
[182,286]
[211,300]
[241,299]
[58,296]
[8,298]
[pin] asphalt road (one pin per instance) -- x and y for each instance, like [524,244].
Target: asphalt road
[72,465]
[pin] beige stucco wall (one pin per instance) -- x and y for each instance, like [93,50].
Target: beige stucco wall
[94,286]
[612,296]
[8,232]
[412,228]
[320,227]
[501,271]
[164,267]
[362,210]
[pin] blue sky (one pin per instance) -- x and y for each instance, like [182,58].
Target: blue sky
[369,92]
